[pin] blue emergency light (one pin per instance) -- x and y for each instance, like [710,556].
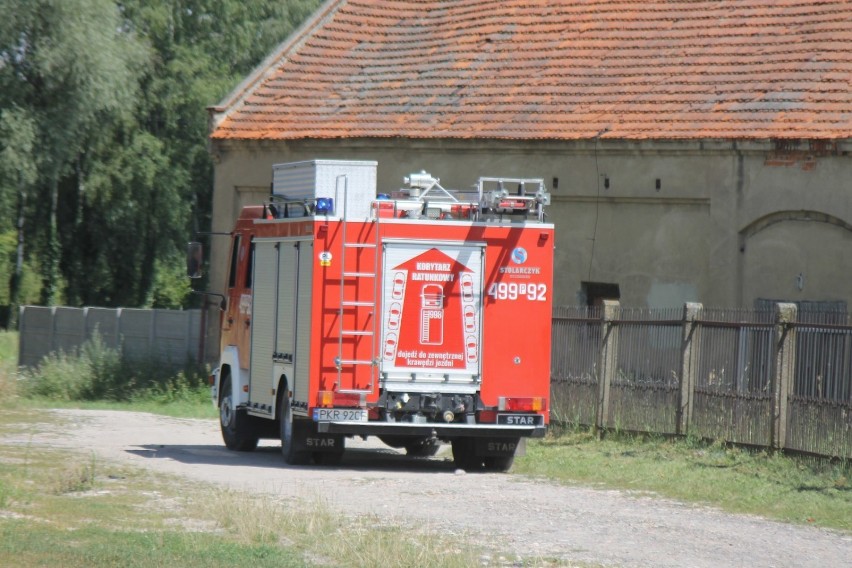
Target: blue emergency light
[325,206]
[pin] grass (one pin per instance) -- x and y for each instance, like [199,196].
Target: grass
[61,509]
[58,509]
[734,479]
[199,407]
[97,378]
[8,364]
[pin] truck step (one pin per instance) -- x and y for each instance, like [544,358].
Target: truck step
[360,245]
[348,304]
[359,274]
[353,362]
[355,332]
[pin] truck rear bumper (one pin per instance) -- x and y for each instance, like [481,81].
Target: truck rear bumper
[431,429]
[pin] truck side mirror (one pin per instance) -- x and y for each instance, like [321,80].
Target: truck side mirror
[194,259]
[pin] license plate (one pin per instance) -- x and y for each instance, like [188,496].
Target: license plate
[340,415]
[520,419]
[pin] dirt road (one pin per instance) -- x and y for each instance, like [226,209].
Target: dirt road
[532,518]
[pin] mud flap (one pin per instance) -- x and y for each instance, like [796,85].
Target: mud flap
[314,441]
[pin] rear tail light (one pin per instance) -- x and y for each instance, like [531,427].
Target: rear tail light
[521,404]
[329,399]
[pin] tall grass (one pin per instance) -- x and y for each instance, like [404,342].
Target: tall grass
[8,364]
[97,372]
[330,539]
[740,480]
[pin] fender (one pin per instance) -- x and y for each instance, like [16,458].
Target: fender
[239,377]
[283,374]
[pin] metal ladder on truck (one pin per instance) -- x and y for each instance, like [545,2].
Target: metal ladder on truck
[356,308]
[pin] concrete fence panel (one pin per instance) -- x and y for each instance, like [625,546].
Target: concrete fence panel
[104,321]
[175,334]
[69,328]
[171,336]
[136,331]
[36,335]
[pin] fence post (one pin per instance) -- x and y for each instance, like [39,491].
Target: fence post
[607,360]
[690,347]
[152,333]
[23,333]
[52,336]
[785,365]
[85,332]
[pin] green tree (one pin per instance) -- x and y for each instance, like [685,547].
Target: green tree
[17,175]
[115,93]
[203,48]
[74,68]
[131,218]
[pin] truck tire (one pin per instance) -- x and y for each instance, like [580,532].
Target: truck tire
[237,429]
[292,435]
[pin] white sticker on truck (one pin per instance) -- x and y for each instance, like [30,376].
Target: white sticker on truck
[432,306]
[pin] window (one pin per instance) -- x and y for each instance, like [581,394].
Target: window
[596,292]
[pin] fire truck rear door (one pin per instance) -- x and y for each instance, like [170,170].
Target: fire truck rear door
[432,315]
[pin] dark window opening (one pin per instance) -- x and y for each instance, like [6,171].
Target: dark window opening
[235,252]
[596,292]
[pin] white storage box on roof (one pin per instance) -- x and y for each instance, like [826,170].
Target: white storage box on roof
[335,179]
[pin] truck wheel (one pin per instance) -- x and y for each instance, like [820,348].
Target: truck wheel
[237,430]
[464,454]
[292,435]
[423,448]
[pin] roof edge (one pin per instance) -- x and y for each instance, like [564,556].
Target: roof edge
[706,144]
[220,111]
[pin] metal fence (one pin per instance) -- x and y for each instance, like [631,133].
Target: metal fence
[172,336]
[756,377]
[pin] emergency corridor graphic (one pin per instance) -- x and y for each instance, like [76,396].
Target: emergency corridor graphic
[432,303]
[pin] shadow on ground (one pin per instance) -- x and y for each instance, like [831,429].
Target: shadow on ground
[269,457]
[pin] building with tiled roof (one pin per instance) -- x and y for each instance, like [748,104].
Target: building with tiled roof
[696,150]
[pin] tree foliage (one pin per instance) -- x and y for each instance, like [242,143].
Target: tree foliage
[103,128]
[69,63]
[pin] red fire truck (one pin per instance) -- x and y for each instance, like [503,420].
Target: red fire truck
[419,316]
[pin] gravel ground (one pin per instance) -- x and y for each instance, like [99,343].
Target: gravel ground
[531,518]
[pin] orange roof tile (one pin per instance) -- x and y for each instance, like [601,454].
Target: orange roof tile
[555,69]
